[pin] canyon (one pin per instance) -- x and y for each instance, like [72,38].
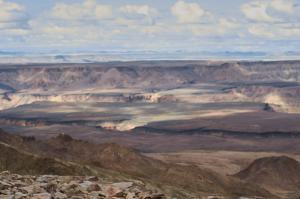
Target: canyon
[196,125]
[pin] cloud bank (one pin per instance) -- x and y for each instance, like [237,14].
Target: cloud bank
[181,24]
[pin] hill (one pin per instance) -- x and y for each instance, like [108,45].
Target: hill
[276,174]
[26,163]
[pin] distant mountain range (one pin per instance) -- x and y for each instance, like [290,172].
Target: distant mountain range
[102,56]
[11,53]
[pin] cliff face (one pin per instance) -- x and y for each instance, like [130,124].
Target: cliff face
[275,83]
[144,74]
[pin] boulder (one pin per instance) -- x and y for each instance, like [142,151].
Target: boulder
[41,196]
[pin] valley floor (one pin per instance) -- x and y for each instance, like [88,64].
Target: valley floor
[222,162]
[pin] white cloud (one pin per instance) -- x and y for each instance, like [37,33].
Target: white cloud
[15,32]
[187,12]
[59,35]
[152,29]
[124,22]
[285,6]
[10,11]
[86,21]
[202,30]
[144,10]
[91,23]
[292,32]
[12,16]
[138,15]
[289,31]
[88,33]
[136,26]
[266,25]
[220,28]
[257,11]
[103,11]
[88,9]
[260,10]
[227,23]
[260,31]
[281,31]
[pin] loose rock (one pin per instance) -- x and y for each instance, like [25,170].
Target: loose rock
[13,186]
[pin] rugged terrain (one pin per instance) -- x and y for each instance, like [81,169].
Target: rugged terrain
[266,82]
[224,105]
[66,115]
[115,162]
[64,187]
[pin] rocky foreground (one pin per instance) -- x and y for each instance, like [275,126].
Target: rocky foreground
[14,186]
[42,163]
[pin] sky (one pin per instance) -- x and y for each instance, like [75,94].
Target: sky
[158,25]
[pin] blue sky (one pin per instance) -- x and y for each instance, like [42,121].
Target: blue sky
[194,25]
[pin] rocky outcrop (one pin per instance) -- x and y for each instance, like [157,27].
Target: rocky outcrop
[283,97]
[65,187]
[79,82]
[157,74]
[18,99]
[23,122]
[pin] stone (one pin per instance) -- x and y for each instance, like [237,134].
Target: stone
[131,196]
[17,177]
[7,197]
[69,187]
[215,197]
[90,186]
[93,179]
[46,178]
[112,191]
[151,196]
[5,192]
[38,188]
[123,185]
[59,195]
[19,183]
[77,197]
[4,185]
[98,194]
[51,187]
[27,189]
[41,196]
[20,195]
[85,184]
[94,187]
[5,173]
[73,188]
